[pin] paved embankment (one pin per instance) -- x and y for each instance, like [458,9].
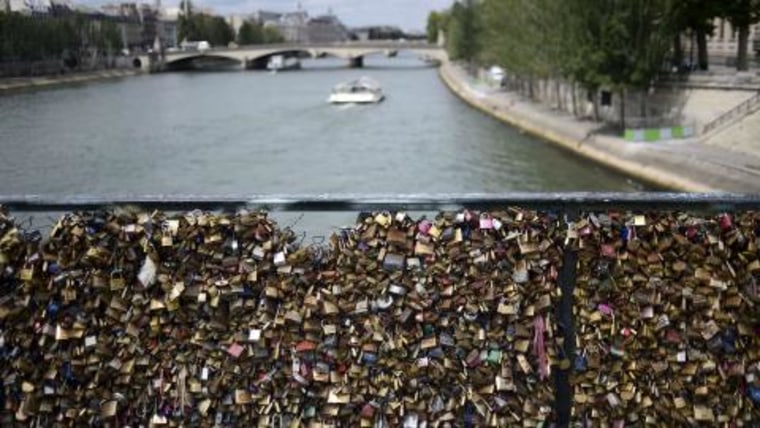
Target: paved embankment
[685,165]
[23,83]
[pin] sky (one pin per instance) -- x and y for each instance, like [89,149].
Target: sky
[410,15]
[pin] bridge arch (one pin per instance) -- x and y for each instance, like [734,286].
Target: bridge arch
[260,60]
[257,56]
[200,61]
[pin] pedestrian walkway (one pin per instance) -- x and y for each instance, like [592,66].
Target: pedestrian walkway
[687,165]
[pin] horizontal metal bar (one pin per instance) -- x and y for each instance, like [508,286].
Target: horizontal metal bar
[412,202]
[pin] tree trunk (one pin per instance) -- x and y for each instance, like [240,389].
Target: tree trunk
[622,109]
[677,51]
[742,60]
[643,106]
[691,51]
[595,97]
[574,99]
[559,93]
[702,49]
[530,88]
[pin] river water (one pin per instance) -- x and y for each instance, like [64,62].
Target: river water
[259,133]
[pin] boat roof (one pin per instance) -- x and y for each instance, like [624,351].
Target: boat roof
[363,82]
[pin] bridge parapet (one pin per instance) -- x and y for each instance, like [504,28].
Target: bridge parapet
[350,51]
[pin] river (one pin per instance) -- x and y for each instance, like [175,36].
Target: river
[255,132]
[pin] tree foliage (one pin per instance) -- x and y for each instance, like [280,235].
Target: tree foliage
[464,31]
[202,27]
[436,22]
[28,38]
[617,45]
[253,33]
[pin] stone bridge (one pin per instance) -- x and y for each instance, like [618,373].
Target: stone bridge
[257,56]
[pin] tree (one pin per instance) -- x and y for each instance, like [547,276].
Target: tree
[250,33]
[463,31]
[742,14]
[199,27]
[273,35]
[111,36]
[220,33]
[695,16]
[433,26]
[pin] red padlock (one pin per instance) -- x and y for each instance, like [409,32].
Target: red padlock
[725,222]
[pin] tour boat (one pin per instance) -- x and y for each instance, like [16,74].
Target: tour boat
[360,91]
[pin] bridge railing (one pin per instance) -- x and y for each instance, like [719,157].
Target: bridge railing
[736,113]
[556,201]
[567,205]
[302,46]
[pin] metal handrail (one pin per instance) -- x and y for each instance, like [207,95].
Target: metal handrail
[744,107]
[413,202]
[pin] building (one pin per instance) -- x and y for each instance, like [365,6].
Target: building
[326,29]
[169,33]
[292,26]
[127,17]
[263,16]
[298,27]
[378,33]
[725,39]
[141,24]
[149,25]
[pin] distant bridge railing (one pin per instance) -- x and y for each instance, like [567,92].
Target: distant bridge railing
[306,46]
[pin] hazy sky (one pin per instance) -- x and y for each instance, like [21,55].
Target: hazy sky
[407,14]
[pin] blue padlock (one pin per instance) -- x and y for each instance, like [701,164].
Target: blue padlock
[369,359]
[754,393]
[729,341]
[466,232]
[68,373]
[53,268]
[53,308]
[624,233]
[247,292]
[469,416]
[580,363]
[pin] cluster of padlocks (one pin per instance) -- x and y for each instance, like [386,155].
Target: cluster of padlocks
[666,320]
[128,318]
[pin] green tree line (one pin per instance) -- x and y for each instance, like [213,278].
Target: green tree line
[193,26]
[620,45]
[202,27]
[253,33]
[470,25]
[27,38]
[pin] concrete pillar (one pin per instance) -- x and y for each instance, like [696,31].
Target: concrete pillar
[357,62]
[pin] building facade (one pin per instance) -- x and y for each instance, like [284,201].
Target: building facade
[326,29]
[298,27]
[725,38]
[142,24]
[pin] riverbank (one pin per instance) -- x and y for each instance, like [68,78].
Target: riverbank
[683,165]
[25,83]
